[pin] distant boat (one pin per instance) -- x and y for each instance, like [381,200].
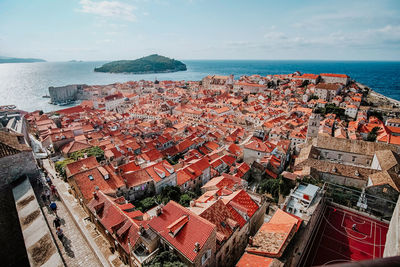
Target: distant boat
[46,96]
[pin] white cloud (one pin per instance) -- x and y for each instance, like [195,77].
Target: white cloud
[111,9]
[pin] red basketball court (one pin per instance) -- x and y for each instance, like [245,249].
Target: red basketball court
[336,241]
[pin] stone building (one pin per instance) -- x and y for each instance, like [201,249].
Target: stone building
[16,158]
[313,125]
[342,161]
[64,94]
[192,237]
[335,78]
[124,228]
[216,82]
[327,91]
[113,101]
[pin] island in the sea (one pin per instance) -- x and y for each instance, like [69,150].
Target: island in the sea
[150,64]
[20,60]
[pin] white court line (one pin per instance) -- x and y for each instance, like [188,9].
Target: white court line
[364,217]
[359,238]
[351,217]
[322,233]
[345,228]
[380,242]
[374,242]
[348,245]
[340,254]
[349,235]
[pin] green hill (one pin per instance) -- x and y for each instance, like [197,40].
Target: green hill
[19,60]
[150,64]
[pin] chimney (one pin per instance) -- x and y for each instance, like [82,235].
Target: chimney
[192,203]
[141,230]
[197,247]
[159,210]
[95,195]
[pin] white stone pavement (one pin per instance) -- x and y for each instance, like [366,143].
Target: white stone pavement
[85,251]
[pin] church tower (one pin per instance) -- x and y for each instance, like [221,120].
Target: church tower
[313,125]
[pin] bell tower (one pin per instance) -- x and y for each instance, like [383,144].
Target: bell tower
[313,125]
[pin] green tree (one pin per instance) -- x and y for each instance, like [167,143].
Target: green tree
[60,166]
[185,200]
[373,134]
[165,259]
[92,151]
[169,193]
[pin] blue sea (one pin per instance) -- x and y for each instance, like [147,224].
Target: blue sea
[24,84]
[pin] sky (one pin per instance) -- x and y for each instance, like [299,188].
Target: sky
[96,30]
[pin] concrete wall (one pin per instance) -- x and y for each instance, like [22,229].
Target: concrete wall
[392,245]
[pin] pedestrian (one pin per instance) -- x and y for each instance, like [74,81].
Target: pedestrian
[57,222]
[53,207]
[48,181]
[354,227]
[60,233]
[43,197]
[47,193]
[54,190]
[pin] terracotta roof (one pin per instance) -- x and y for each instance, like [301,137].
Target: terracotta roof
[115,220]
[136,178]
[334,75]
[274,236]
[10,144]
[240,200]
[351,146]
[75,146]
[88,180]
[251,260]
[160,171]
[219,215]
[82,165]
[384,177]
[195,230]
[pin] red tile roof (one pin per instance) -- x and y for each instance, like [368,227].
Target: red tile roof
[195,230]
[242,201]
[74,146]
[115,220]
[137,178]
[250,260]
[220,215]
[88,180]
[82,165]
[160,170]
[334,75]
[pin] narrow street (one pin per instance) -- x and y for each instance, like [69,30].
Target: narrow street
[74,248]
[93,242]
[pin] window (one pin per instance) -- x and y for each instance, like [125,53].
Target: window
[205,256]
[90,177]
[353,159]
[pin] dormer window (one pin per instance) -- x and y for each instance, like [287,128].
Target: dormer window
[159,172]
[90,177]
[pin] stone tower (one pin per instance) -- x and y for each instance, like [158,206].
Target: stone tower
[313,125]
